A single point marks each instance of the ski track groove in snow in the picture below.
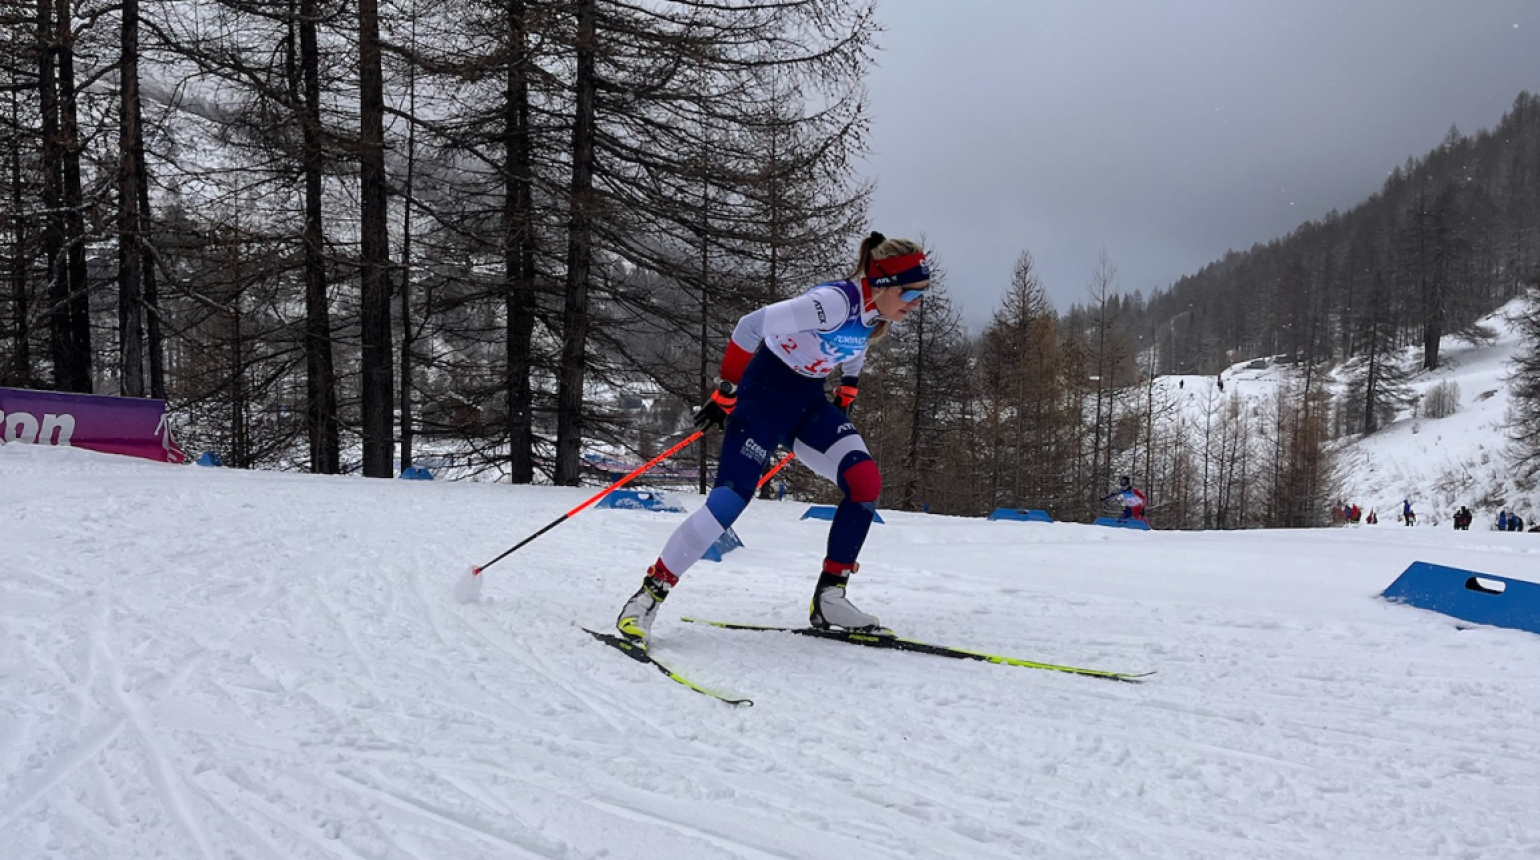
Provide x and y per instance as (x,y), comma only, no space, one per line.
(406,802)
(727,843)
(254,803)
(163,774)
(528,660)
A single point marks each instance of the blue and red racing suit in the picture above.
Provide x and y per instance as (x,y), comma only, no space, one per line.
(1134,501)
(780,356)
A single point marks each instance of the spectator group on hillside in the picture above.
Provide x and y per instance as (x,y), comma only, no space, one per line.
(1348,513)
(1462,518)
(1509,522)
(1342,513)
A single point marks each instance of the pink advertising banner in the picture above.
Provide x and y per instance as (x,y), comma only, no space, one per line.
(115,425)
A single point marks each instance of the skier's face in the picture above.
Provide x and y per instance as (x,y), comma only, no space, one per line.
(891,304)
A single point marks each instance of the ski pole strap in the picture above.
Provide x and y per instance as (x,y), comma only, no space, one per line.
(726,396)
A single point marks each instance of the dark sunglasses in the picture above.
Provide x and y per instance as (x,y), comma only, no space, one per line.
(911,295)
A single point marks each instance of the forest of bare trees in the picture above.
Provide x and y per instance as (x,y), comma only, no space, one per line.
(334,235)
(348,238)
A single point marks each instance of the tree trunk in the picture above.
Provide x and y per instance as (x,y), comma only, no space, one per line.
(703,354)
(374,283)
(909,497)
(79,301)
(1371,382)
(320,370)
(1432,335)
(130,256)
(240,407)
(519,252)
(70,372)
(20,373)
(150,293)
(569,397)
(408,336)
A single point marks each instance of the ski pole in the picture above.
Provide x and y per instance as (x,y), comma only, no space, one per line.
(778,467)
(476,571)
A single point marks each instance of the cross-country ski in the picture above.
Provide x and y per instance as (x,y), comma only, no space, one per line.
(899,643)
(639,654)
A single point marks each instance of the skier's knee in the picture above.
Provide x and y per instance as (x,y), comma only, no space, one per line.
(726,504)
(862,482)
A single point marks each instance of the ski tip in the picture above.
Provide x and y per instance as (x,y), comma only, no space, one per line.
(1126,677)
(638,652)
(690,619)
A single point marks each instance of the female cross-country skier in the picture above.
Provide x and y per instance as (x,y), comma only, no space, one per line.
(1132,498)
(771,394)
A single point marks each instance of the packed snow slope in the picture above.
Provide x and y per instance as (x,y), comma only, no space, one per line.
(205,663)
(1462,459)
(1438,464)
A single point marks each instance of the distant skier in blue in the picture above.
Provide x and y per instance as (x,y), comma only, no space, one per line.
(1407,515)
(772,394)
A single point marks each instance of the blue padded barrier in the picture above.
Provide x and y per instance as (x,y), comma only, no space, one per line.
(416,473)
(826,512)
(1120,523)
(1029,516)
(725,544)
(1480,598)
(640,500)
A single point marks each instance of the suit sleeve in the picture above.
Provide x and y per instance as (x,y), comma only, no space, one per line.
(820,309)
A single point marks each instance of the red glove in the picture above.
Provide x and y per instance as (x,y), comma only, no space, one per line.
(844,395)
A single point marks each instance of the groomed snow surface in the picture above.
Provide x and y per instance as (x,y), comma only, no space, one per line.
(205,663)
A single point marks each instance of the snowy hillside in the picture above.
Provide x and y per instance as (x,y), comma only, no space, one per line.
(1442,463)
(1436,463)
(203,663)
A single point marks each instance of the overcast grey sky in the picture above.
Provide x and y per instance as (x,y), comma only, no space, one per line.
(1166,131)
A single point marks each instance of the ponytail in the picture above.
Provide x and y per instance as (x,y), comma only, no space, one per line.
(864,258)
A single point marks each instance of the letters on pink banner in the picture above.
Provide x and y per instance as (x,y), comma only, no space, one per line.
(114,425)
